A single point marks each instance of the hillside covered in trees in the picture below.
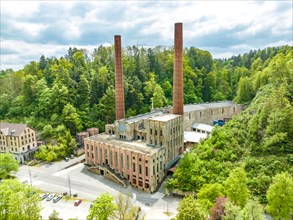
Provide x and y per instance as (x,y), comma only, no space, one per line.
(260,139)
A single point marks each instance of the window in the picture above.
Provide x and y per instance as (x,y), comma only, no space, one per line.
(234,109)
(111,157)
(189,116)
(106,154)
(146,171)
(199,114)
(139,169)
(222,110)
(160,165)
(121,158)
(161,133)
(155,142)
(154,171)
(157,167)
(211,112)
(127,161)
(133,167)
(156,132)
(101,154)
(151,131)
(116,158)
(161,144)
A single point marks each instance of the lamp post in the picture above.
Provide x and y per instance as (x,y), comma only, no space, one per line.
(30,174)
(69,185)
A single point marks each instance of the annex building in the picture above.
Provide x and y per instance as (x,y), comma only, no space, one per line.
(18,139)
(140,150)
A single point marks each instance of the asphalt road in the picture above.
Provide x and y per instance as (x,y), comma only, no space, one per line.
(54,178)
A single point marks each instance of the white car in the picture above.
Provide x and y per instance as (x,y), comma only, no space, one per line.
(43,196)
(56,199)
(50,197)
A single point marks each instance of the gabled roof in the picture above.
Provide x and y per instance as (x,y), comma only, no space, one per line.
(12,129)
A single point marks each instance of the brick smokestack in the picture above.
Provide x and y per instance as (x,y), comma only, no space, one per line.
(119,88)
(178,70)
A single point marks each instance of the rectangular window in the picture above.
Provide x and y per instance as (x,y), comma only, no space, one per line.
(140,169)
(111,159)
(199,114)
(151,131)
(121,158)
(161,133)
(160,165)
(101,155)
(106,154)
(116,158)
(154,171)
(146,171)
(222,111)
(127,161)
(133,167)
(156,132)
(211,112)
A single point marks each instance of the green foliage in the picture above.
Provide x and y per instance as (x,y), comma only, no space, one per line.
(103,208)
(54,215)
(19,201)
(280,197)
(236,187)
(190,208)
(259,139)
(232,212)
(125,208)
(8,164)
(210,192)
(252,210)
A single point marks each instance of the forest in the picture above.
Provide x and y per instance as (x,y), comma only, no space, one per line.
(62,96)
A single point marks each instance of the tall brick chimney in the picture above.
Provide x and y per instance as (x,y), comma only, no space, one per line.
(178,70)
(119,88)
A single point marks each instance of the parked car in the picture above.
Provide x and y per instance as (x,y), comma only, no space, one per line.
(77,202)
(56,199)
(43,196)
(72,156)
(75,195)
(66,159)
(65,194)
(50,197)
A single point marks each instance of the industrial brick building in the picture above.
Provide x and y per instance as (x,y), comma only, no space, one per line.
(18,139)
(140,150)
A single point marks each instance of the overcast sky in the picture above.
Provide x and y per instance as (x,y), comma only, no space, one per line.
(30,29)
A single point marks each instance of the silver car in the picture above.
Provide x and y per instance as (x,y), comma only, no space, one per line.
(56,199)
(50,197)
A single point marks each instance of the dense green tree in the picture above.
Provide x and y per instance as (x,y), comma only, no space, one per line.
(280,197)
(19,201)
(8,164)
(252,210)
(210,192)
(71,119)
(103,208)
(236,186)
(190,208)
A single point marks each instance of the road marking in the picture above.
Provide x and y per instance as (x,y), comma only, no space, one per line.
(62,172)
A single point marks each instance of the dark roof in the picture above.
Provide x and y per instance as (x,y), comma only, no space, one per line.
(12,129)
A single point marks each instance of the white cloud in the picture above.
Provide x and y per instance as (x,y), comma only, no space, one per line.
(33,28)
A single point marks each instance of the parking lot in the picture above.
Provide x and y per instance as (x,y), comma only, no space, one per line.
(66,208)
(54,178)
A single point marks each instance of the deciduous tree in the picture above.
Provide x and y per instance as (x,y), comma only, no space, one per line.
(280,197)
